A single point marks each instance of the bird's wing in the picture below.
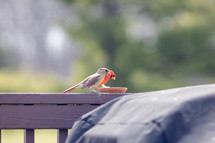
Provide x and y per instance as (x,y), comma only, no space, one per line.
(90,81)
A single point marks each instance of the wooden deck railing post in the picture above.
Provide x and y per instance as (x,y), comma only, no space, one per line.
(62,135)
(29,136)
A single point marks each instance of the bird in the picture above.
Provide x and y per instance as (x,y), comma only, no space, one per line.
(95,80)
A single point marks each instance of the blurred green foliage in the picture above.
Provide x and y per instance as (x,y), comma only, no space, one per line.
(25,81)
(181,52)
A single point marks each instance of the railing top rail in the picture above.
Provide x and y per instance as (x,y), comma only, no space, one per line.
(57,98)
(50,116)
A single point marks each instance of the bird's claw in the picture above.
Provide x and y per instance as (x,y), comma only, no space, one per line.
(92,90)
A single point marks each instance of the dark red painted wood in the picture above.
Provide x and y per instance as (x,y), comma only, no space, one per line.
(41,116)
(29,136)
(56,98)
(62,135)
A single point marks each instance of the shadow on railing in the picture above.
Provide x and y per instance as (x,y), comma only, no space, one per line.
(31,111)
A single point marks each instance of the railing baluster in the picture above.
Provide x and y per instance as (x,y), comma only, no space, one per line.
(62,135)
(29,136)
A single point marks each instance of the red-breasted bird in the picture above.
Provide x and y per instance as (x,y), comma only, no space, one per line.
(97,79)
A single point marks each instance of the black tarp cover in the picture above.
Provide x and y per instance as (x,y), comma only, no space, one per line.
(180,115)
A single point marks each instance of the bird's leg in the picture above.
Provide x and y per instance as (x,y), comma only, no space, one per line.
(92,89)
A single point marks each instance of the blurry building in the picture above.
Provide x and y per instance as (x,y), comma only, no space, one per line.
(33,36)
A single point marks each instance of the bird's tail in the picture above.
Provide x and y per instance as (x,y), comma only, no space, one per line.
(71,88)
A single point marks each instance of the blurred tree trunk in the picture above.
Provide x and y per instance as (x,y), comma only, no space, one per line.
(110,43)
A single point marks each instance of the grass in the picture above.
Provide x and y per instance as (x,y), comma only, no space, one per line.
(41,136)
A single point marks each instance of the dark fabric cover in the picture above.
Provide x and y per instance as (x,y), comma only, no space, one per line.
(181,115)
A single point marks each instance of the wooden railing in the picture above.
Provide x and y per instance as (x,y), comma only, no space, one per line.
(31,111)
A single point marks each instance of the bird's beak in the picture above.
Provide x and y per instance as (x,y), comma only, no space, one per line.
(112,75)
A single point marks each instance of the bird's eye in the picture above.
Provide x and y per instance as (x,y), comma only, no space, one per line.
(106,70)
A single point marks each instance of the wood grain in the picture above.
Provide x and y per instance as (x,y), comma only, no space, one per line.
(56,98)
(41,116)
(31,111)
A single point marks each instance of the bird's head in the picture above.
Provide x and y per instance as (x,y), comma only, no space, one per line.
(108,72)
(102,70)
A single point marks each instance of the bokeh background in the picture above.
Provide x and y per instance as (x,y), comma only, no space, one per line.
(50,45)
(47,46)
